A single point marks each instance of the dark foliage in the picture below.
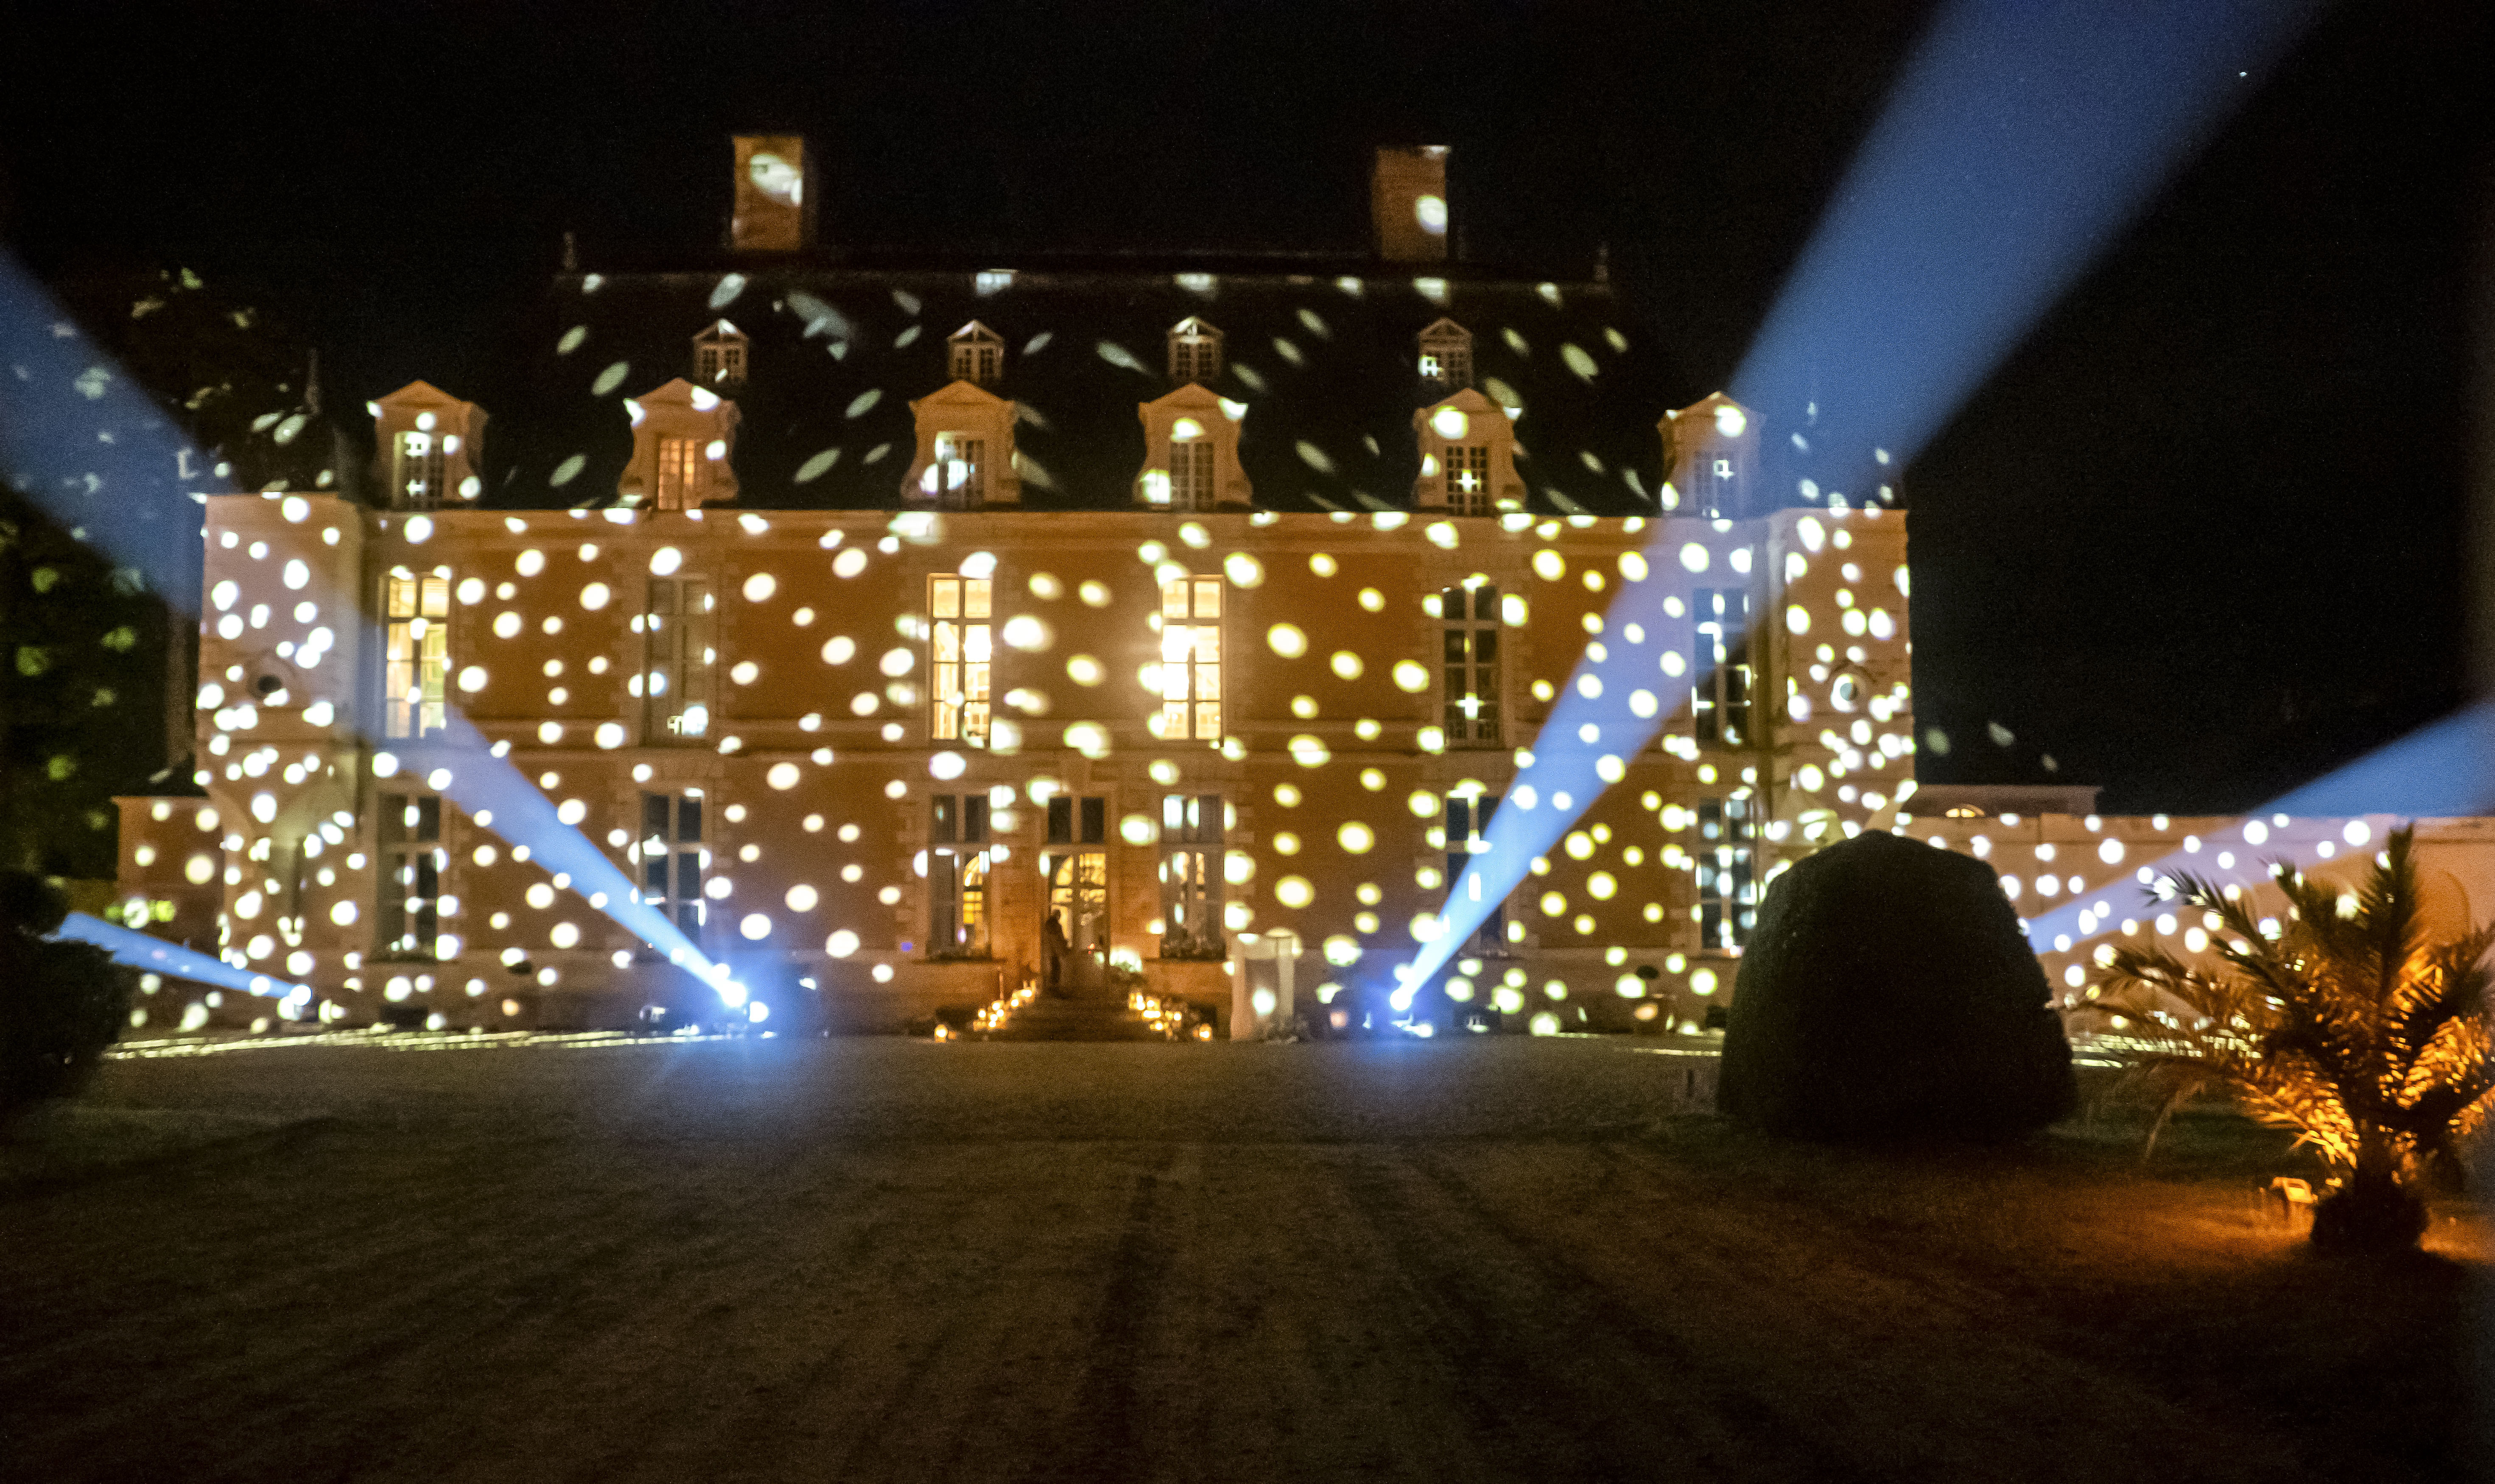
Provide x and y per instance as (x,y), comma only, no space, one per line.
(1889,992)
(61,1003)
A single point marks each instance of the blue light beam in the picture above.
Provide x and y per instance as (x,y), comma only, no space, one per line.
(80,439)
(2018,141)
(2021,140)
(141,950)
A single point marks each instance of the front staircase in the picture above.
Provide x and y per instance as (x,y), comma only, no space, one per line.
(1083,1016)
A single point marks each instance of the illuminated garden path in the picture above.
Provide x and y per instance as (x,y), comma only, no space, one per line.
(899,1260)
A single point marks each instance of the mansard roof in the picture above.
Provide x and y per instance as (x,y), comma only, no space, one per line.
(1326,364)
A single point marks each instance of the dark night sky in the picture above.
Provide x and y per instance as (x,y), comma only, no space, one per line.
(2200,538)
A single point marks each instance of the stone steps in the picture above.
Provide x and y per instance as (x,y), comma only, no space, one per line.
(1074,1018)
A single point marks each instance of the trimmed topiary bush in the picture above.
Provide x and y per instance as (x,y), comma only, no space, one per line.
(1889,992)
(61,1003)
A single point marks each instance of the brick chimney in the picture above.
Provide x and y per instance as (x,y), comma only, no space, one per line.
(1407,203)
(774,209)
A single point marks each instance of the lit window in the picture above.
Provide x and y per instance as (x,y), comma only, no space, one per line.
(683,658)
(958,478)
(1468,836)
(1191,876)
(673,857)
(679,473)
(1468,470)
(1447,354)
(720,356)
(1191,658)
(959,658)
(410,862)
(1194,350)
(1720,655)
(415,654)
(976,355)
(1469,620)
(957,876)
(1727,877)
(1076,869)
(419,470)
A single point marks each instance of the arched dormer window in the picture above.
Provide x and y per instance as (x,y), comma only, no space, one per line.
(1468,458)
(684,438)
(1194,350)
(1709,452)
(976,355)
(1447,354)
(965,451)
(719,355)
(1191,453)
(427,440)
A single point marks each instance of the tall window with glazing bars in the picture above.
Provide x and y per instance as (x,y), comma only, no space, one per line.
(682,653)
(957,875)
(1719,704)
(1468,478)
(1727,872)
(673,857)
(407,914)
(1192,660)
(421,466)
(416,653)
(1467,824)
(1191,876)
(1469,620)
(959,650)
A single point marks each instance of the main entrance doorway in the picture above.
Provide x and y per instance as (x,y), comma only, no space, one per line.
(1078,895)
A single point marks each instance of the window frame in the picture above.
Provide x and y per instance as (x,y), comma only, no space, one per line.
(956,447)
(1192,877)
(1723,688)
(667,637)
(966,712)
(1191,640)
(408,861)
(961,868)
(677,487)
(415,654)
(1472,645)
(1456,462)
(675,829)
(1727,828)
(423,465)
(1465,825)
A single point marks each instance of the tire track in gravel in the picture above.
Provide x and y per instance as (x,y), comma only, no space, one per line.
(1906,1364)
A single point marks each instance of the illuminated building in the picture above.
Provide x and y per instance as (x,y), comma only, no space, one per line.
(898,607)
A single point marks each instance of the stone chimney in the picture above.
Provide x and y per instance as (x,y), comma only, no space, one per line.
(1407,203)
(774,209)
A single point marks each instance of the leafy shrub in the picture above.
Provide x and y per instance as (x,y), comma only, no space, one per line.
(1888,991)
(61,1003)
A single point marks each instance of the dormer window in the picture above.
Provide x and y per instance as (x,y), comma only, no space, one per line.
(1194,350)
(684,438)
(977,355)
(1447,354)
(720,356)
(425,447)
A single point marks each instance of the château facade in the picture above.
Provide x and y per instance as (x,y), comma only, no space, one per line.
(866,616)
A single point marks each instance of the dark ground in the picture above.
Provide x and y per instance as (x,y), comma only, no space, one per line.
(886,1259)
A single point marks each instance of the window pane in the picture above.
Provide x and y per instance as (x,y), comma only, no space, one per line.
(1208,597)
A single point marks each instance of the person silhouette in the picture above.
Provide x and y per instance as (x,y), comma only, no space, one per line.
(1052,954)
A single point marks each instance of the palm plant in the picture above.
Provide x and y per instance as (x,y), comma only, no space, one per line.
(2348,1023)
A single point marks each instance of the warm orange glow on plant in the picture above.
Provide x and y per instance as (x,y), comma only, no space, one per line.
(2351,1026)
